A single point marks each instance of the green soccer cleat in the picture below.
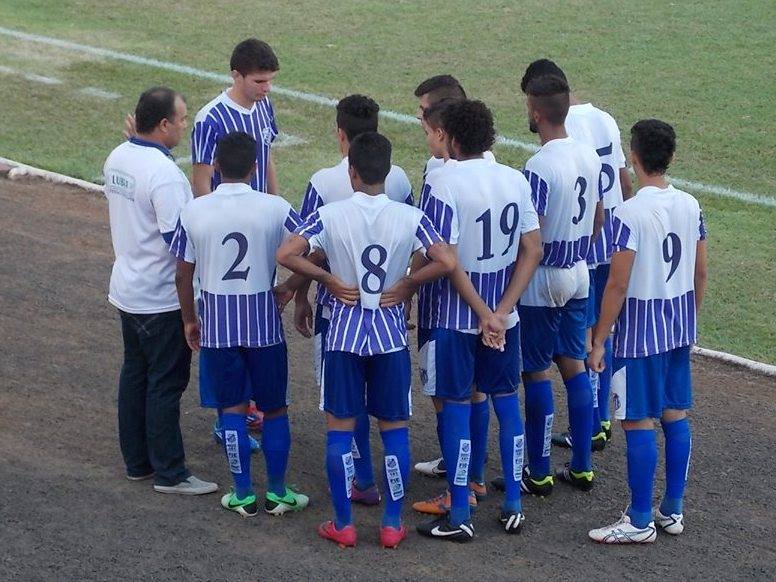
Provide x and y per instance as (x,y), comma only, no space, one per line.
(245,507)
(291,501)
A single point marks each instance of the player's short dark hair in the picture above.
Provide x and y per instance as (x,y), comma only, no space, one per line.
(654,141)
(470,124)
(540,68)
(357,114)
(155,104)
(253,55)
(440,87)
(550,94)
(433,114)
(236,155)
(370,156)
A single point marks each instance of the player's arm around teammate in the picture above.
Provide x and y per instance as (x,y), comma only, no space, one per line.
(655,290)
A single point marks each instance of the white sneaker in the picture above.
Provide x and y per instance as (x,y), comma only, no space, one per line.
(191,486)
(431,468)
(624,532)
(672,524)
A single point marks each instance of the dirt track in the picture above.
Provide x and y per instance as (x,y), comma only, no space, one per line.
(67,513)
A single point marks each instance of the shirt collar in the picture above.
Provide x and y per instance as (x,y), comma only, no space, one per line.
(149,144)
(363,198)
(231,188)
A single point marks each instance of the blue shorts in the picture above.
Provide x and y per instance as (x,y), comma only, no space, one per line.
(553,331)
(645,387)
(231,376)
(378,385)
(452,362)
(592,313)
(598,277)
(320,329)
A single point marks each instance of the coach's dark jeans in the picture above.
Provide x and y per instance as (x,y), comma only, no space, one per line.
(154,375)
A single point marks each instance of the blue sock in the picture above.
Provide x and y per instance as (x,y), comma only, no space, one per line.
(605,382)
(478,425)
(642,460)
(238,452)
(678,449)
(580,401)
(511,440)
(457,452)
(362,453)
(339,468)
(594,381)
(539,412)
(276,443)
(396,445)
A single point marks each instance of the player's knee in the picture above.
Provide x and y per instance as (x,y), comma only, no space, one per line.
(478,397)
(644,424)
(540,376)
(672,415)
(241,408)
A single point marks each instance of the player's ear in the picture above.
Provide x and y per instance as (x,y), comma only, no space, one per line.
(235,76)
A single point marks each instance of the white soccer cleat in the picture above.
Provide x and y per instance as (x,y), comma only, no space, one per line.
(624,532)
(672,524)
(432,468)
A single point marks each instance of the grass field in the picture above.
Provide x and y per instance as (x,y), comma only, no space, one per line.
(705,67)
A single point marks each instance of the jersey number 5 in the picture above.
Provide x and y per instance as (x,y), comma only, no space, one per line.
(508,223)
(373,268)
(242,249)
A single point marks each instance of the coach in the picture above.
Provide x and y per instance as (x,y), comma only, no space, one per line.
(146,192)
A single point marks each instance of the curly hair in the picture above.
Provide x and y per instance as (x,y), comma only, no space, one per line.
(357,114)
(654,141)
(470,124)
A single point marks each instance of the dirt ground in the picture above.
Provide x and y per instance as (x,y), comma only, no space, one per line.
(67,513)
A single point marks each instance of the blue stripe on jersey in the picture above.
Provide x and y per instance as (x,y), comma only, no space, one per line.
(311,201)
(410,199)
(440,214)
(538,191)
(620,235)
(564,254)
(601,250)
(179,240)
(426,233)
(222,120)
(366,332)
(439,304)
(293,221)
(652,326)
(311,226)
(250,321)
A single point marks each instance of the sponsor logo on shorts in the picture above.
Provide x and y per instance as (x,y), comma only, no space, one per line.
(393,476)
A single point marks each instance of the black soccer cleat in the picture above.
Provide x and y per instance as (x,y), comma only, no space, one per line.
(563,439)
(511,521)
(442,529)
(582,480)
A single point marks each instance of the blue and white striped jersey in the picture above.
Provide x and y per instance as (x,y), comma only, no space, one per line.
(333,184)
(599,130)
(483,207)
(368,241)
(223,116)
(565,184)
(663,228)
(232,236)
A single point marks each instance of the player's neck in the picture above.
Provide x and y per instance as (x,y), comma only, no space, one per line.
(464,158)
(654,180)
(372,189)
(154,137)
(573,100)
(551,132)
(235,96)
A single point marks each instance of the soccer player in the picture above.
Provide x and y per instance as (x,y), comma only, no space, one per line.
(356,114)
(232,236)
(485,210)
(431,92)
(245,106)
(655,290)
(368,240)
(596,128)
(564,176)
(146,192)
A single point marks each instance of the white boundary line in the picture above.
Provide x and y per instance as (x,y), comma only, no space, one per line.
(721,191)
(22,170)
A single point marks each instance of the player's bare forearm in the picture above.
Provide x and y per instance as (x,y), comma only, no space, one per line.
(614,295)
(529,255)
(626,184)
(291,255)
(701,274)
(184,283)
(417,261)
(598,220)
(272,176)
(201,175)
(442,263)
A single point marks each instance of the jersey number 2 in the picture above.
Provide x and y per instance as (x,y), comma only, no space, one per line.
(242,249)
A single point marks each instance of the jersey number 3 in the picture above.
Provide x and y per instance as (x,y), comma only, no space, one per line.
(242,250)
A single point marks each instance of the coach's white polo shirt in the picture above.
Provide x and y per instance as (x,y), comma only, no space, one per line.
(146,192)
